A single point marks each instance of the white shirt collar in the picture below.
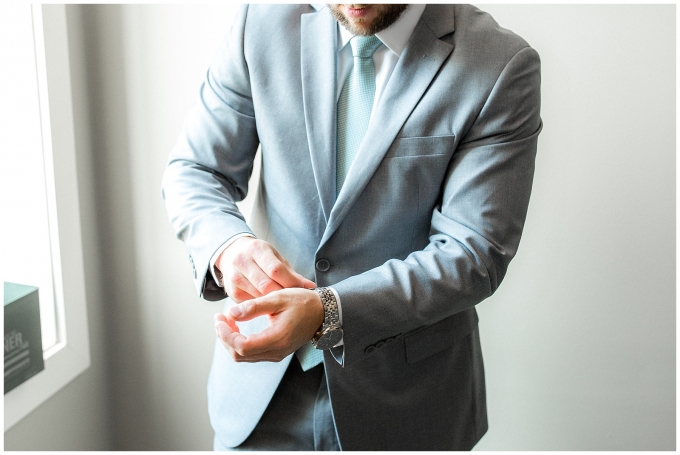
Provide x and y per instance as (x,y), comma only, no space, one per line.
(396,35)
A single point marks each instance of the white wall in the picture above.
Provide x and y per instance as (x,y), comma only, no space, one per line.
(579,341)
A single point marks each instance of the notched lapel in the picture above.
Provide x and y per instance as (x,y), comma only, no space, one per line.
(318,45)
(415,70)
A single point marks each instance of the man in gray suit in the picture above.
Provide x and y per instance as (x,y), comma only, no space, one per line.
(396,175)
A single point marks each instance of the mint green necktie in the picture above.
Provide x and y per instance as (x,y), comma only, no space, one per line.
(354,111)
(355,104)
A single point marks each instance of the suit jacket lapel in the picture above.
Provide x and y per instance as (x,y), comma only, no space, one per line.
(318,71)
(417,66)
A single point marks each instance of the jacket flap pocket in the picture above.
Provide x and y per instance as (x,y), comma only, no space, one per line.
(429,340)
(421,146)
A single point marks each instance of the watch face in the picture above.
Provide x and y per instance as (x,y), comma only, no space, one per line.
(330,338)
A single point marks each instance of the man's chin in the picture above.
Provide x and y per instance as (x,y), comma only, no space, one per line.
(362,29)
(386,16)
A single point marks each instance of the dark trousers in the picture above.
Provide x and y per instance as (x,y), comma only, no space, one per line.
(299,416)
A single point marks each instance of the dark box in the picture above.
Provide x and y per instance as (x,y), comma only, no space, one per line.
(23,341)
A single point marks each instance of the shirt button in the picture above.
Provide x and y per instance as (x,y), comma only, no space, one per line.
(322,265)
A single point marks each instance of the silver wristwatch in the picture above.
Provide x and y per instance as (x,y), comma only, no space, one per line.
(330,332)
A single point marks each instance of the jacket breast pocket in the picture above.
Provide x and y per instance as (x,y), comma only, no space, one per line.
(421,146)
(429,340)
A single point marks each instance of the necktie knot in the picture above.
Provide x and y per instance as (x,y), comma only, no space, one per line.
(364,46)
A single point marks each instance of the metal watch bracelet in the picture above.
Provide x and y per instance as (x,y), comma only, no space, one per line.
(330,308)
(330,333)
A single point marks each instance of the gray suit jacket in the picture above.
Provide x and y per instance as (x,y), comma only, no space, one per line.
(423,229)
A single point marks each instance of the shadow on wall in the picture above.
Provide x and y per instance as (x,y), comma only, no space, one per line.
(106,81)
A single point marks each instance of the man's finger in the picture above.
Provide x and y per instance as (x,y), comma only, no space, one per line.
(256,272)
(262,346)
(240,288)
(267,344)
(252,268)
(230,338)
(279,270)
(242,276)
(220,317)
(251,309)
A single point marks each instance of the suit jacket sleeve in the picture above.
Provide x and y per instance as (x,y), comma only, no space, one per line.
(209,168)
(475,231)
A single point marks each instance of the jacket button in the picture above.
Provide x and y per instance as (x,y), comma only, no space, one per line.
(322,265)
(380,344)
(369,349)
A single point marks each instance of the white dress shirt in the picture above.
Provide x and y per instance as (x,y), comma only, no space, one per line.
(385,58)
(394,39)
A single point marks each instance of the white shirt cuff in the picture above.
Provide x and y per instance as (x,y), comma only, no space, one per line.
(219,251)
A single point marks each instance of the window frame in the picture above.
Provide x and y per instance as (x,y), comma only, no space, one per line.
(70,356)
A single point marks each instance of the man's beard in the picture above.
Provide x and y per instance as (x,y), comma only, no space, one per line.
(386,16)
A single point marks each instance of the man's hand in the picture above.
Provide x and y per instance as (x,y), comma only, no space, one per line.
(294,316)
(252,268)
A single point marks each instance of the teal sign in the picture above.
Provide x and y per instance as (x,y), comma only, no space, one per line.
(23,341)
